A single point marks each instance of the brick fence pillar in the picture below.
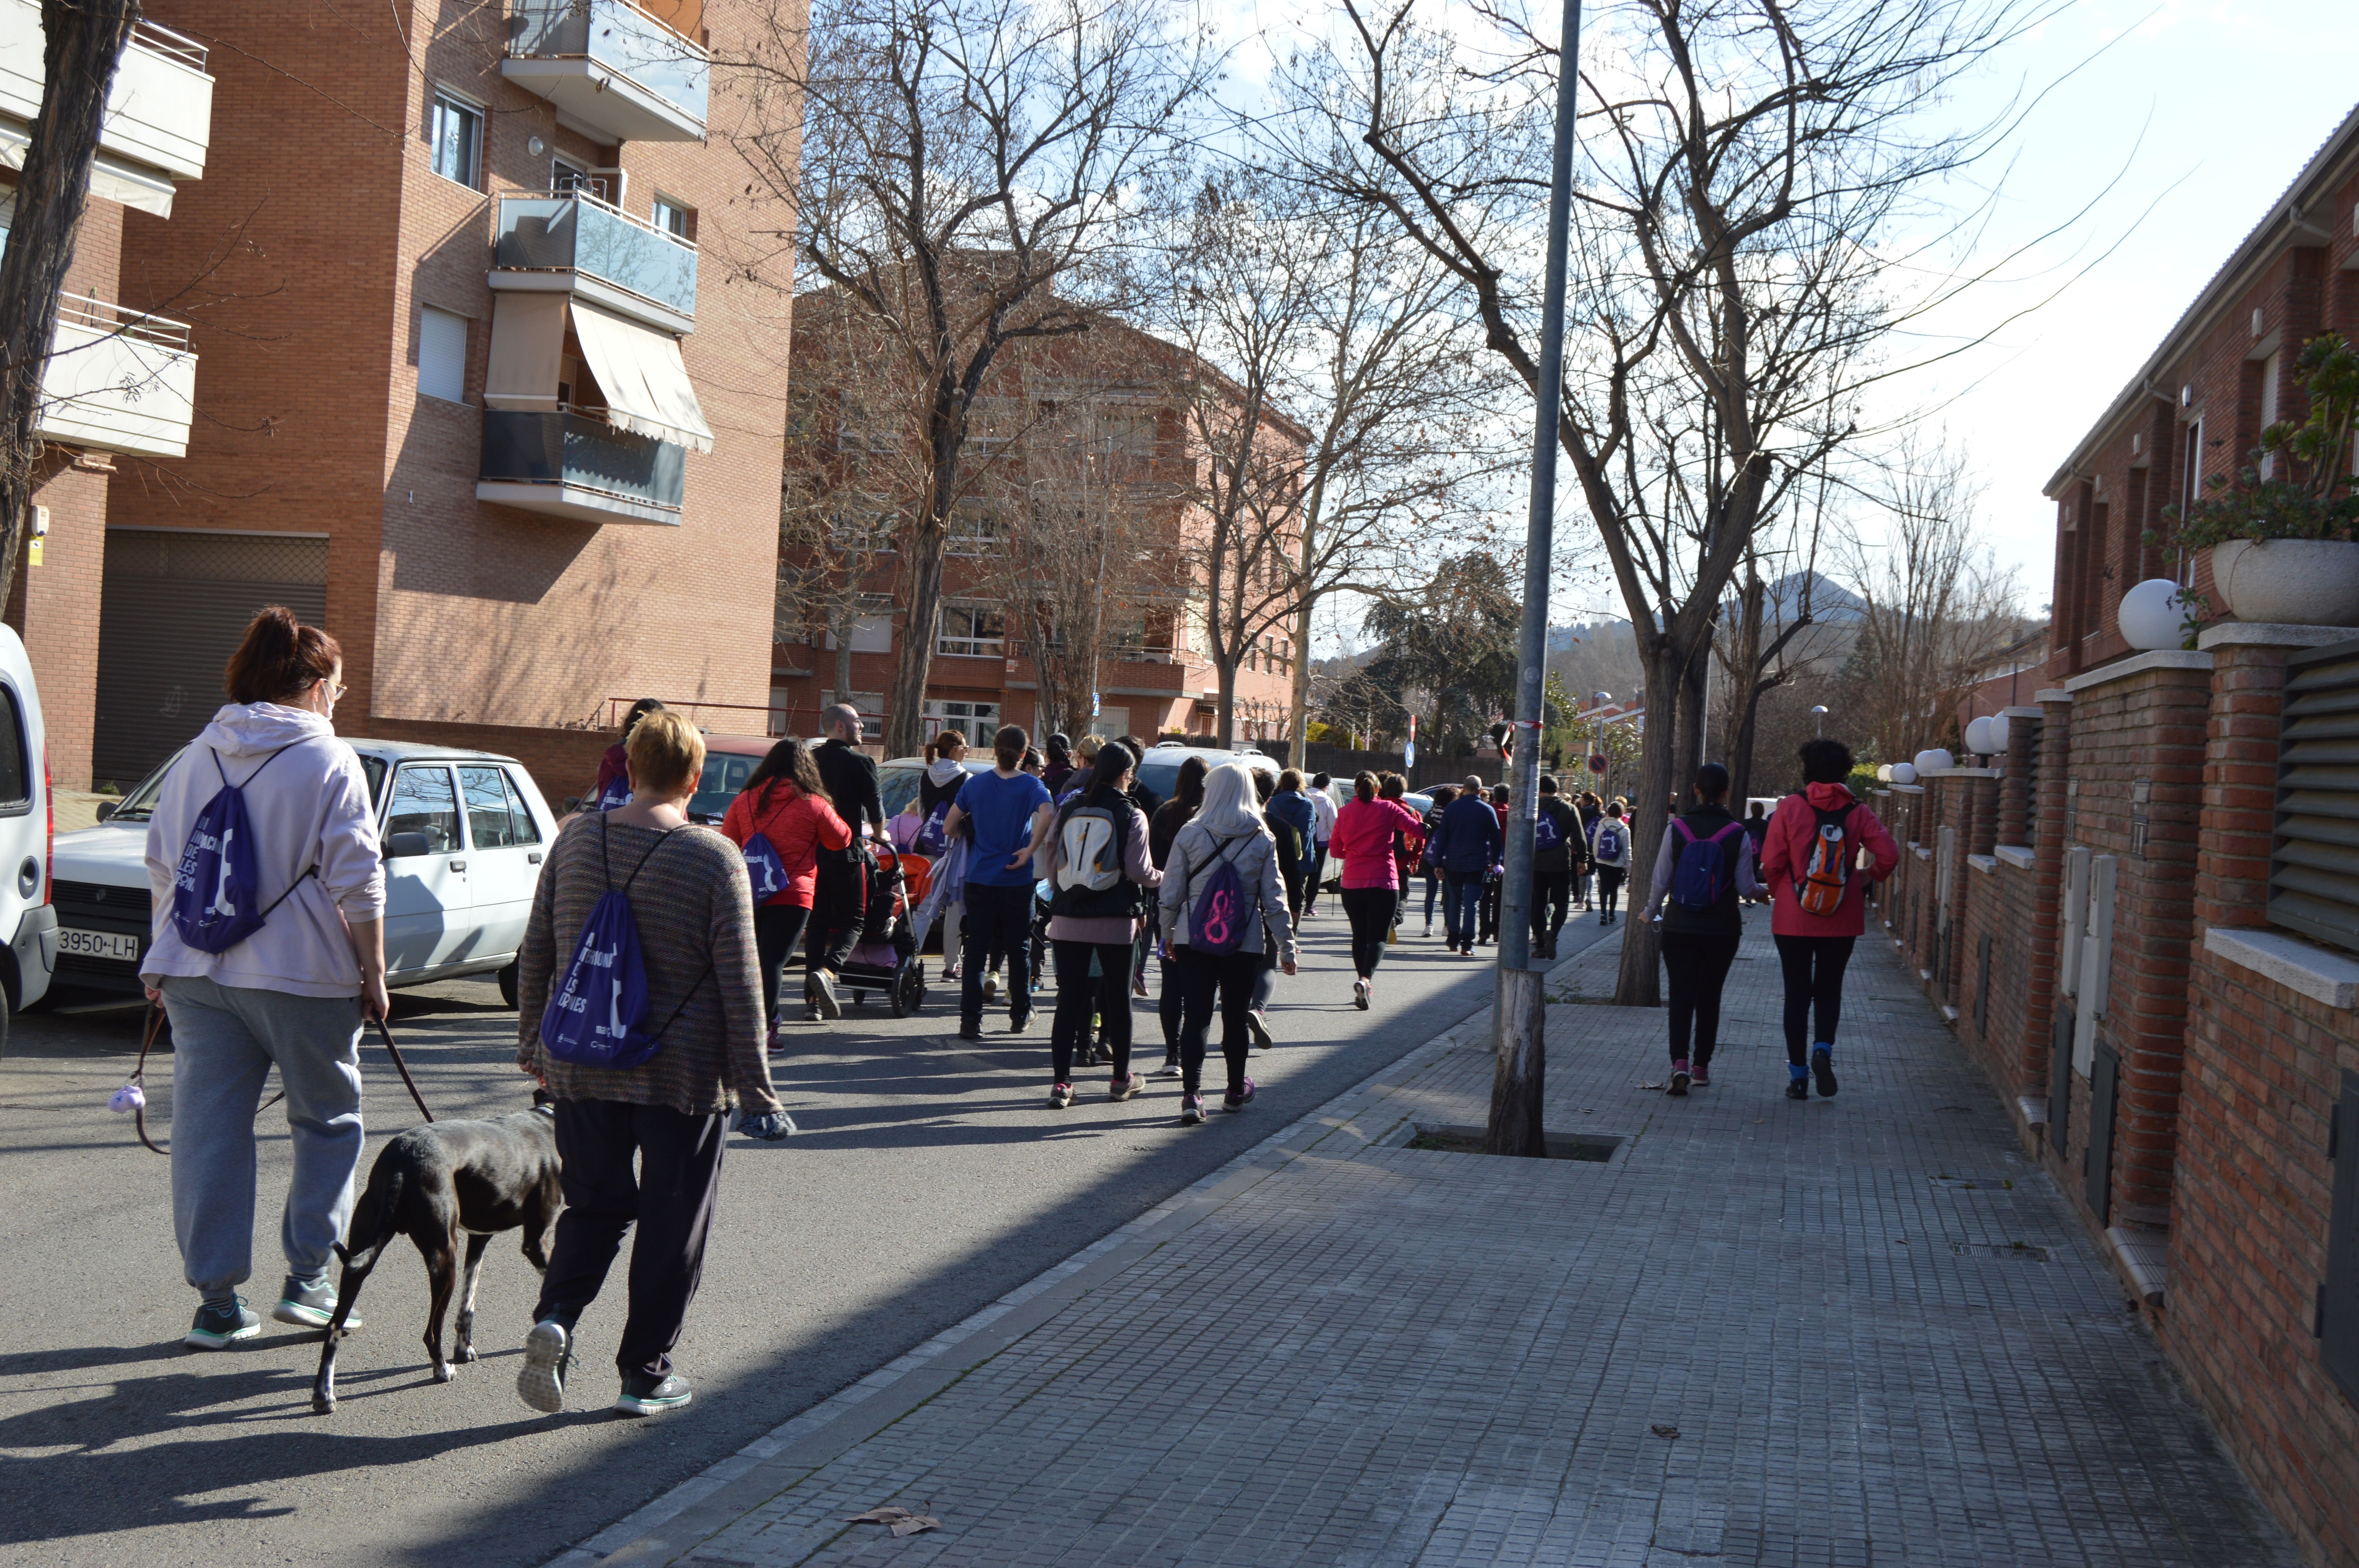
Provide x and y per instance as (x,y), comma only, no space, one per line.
(2047,808)
(2016,803)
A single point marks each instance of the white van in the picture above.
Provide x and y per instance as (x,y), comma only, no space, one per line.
(28,824)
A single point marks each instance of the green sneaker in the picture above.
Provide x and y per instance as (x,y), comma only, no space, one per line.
(218,1324)
(643,1395)
(310,1307)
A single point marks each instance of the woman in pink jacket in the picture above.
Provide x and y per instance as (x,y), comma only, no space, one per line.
(1810,858)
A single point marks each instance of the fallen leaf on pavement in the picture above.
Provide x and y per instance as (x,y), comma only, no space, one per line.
(1659,1430)
(1646,1085)
(914,1524)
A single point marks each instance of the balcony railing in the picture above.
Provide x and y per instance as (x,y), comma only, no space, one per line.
(571,465)
(582,234)
(118,381)
(611,66)
(159,108)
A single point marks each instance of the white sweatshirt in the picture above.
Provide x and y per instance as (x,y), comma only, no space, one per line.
(310,807)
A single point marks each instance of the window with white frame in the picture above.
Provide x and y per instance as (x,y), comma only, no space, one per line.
(673,218)
(870,627)
(454,138)
(976,720)
(442,355)
(971,631)
(976,531)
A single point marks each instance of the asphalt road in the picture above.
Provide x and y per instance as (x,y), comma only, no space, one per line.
(929,1178)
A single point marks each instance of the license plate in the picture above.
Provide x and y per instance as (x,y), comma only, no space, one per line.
(99,945)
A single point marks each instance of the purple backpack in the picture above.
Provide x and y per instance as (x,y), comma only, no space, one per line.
(597,1015)
(216,888)
(1700,877)
(1217,924)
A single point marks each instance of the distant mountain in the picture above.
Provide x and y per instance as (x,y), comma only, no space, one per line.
(1830,602)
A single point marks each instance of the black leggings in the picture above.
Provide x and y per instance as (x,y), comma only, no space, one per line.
(1227,980)
(1079,993)
(1609,886)
(1370,911)
(1697,962)
(776,928)
(1814,974)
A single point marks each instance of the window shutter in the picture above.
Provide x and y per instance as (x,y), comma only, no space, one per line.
(442,355)
(2314,864)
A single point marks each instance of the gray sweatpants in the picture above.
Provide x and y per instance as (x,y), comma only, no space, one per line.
(225,1040)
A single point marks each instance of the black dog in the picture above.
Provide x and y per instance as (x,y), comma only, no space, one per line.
(434,1184)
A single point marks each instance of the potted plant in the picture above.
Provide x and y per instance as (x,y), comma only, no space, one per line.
(2285,548)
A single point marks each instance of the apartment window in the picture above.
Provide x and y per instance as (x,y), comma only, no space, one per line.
(864,525)
(454,138)
(971,631)
(674,219)
(442,355)
(974,532)
(2269,368)
(976,720)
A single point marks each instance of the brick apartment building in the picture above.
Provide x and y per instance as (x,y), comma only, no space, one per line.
(1155,676)
(117,390)
(489,358)
(2142,917)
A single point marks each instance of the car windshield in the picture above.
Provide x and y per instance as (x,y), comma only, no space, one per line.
(724,776)
(140,803)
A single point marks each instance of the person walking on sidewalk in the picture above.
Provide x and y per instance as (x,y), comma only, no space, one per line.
(1292,805)
(786,805)
(1555,832)
(1011,813)
(1187,799)
(938,791)
(291,994)
(1097,863)
(1704,866)
(693,907)
(1465,847)
(1494,879)
(1810,857)
(1585,876)
(613,785)
(1609,847)
(839,904)
(1322,833)
(1220,902)
(1365,833)
(1442,795)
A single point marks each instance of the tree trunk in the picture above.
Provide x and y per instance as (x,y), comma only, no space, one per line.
(1298,708)
(81,41)
(1638,983)
(905,729)
(1225,719)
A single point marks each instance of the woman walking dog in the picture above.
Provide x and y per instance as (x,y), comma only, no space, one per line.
(268,951)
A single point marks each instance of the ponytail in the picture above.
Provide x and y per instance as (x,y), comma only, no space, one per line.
(279,658)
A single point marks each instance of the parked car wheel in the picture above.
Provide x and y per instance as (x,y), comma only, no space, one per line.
(508,983)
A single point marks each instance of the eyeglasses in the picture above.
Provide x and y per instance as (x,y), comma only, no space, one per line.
(336,693)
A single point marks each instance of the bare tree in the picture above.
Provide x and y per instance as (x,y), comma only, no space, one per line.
(959,168)
(1775,635)
(82,40)
(1731,281)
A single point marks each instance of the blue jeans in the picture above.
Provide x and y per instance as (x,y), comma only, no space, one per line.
(1462,903)
(998,923)
(225,1039)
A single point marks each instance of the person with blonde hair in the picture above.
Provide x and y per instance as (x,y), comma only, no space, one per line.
(691,905)
(1220,902)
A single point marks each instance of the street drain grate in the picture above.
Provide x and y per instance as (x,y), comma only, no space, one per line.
(2022,1250)
(1595,1147)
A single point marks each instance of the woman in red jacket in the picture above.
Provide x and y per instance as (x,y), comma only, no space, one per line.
(785,803)
(1364,837)
(1810,858)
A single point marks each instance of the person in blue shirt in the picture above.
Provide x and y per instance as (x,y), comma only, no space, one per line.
(1464,846)
(1009,812)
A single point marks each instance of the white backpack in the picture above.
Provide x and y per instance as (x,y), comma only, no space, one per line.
(1089,850)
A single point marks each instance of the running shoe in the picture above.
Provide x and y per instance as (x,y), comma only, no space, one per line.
(1822,1067)
(822,986)
(1191,1110)
(1129,1087)
(1259,1027)
(990,985)
(1699,1074)
(218,1325)
(643,1395)
(310,1307)
(1360,994)
(1678,1088)
(548,1352)
(1061,1095)
(1170,1069)
(1428,930)
(1797,1089)
(1239,1099)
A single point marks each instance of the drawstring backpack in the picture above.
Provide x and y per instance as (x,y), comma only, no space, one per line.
(764,867)
(216,890)
(597,1016)
(616,793)
(1217,924)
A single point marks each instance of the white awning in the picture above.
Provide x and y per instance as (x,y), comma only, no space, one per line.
(111,178)
(643,377)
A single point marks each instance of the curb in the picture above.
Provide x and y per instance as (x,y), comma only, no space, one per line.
(700,1507)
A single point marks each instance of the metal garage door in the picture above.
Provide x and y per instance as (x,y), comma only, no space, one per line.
(174,605)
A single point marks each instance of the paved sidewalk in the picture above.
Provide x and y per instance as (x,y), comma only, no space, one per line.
(1857,1331)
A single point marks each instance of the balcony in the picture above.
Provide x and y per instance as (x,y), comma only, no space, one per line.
(578,244)
(159,110)
(117,381)
(569,465)
(615,71)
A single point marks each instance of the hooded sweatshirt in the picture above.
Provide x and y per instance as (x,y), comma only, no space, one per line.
(1785,850)
(311,808)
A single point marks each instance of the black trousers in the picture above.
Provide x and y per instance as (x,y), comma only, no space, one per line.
(997,923)
(776,928)
(1814,976)
(1168,1004)
(671,1199)
(837,913)
(1609,886)
(1490,916)
(1551,898)
(1230,978)
(1697,965)
(1080,993)
(1370,911)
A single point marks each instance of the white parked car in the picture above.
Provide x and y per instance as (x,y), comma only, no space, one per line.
(464,834)
(29,923)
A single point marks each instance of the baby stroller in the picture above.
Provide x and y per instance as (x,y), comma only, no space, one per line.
(885,957)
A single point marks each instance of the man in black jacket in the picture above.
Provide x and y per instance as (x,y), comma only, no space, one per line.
(1555,833)
(839,905)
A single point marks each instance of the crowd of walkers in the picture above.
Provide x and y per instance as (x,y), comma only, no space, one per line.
(651,975)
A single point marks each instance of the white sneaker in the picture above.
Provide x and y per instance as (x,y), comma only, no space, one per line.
(1360,990)
(823,993)
(989,987)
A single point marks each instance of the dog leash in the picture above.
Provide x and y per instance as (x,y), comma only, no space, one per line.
(133,1096)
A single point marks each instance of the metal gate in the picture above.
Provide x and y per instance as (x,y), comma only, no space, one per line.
(173,607)
(2097,1164)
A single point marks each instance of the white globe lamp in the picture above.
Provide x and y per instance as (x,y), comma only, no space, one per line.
(2153,615)
(1987,736)
(1933,759)
(1883,773)
(1904,773)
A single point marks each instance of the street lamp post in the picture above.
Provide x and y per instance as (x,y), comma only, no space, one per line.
(1819,715)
